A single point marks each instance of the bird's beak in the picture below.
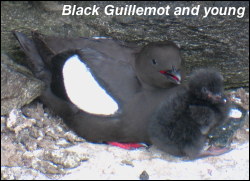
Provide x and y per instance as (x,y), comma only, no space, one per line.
(217,98)
(173,75)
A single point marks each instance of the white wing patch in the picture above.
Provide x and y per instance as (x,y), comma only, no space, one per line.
(84,91)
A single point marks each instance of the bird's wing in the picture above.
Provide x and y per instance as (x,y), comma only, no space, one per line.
(111,61)
(118,77)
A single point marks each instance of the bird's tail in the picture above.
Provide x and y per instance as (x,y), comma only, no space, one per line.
(35,61)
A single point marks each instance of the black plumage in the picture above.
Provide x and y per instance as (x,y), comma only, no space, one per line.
(181,125)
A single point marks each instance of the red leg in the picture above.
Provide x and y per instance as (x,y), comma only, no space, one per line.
(127,146)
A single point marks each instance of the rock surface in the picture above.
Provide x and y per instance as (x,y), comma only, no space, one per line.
(18,86)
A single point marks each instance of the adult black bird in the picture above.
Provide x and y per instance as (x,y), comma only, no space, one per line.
(132,79)
(181,125)
(133,89)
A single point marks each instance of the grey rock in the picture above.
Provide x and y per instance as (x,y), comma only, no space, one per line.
(17,122)
(17,173)
(29,111)
(65,158)
(127,162)
(144,175)
(18,87)
(47,167)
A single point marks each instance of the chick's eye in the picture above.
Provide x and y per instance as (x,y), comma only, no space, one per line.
(154,61)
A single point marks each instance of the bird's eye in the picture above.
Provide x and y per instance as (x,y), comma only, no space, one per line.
(154,61)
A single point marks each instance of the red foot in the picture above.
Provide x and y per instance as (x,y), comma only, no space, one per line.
(127,146)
